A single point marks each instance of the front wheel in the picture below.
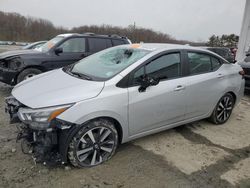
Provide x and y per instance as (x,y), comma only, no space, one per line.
(28,73)
(93,144)
(223,109)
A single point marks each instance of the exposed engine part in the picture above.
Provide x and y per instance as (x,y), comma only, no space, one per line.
(40,144)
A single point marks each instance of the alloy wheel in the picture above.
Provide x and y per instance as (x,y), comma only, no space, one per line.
(224,108)
(95,146)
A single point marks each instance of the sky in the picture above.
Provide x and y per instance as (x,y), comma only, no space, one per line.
(194,20)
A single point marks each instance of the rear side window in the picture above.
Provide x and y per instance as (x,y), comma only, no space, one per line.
(117,42)
(98,44)
(215,63)
(202,63)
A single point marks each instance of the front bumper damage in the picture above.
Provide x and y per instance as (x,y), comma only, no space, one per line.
(8,76)
(47,146)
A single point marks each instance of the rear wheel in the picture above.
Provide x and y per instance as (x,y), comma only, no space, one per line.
(223,109)
(28,73)
(93,144)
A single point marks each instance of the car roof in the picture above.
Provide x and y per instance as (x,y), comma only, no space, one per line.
(114,36)
(165,46)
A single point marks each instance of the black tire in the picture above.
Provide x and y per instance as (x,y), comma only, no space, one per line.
(29,72)
(223,109)
(84,152)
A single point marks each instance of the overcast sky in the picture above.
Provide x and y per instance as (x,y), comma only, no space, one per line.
(183,19)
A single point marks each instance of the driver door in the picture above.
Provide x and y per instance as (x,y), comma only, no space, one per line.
(73,49)
(160,105)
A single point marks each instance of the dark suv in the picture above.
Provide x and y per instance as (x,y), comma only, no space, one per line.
(64,49)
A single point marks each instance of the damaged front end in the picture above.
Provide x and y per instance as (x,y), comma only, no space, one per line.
(40,133)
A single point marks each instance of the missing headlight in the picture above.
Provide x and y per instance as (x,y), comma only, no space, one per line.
(3,64)
(14,63)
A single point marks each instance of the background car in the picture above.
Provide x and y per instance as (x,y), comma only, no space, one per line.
(246,67)
(34,45)
(63,50)
(82,112)
(223,52)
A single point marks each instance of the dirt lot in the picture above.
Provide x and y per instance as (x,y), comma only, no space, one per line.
(195,155)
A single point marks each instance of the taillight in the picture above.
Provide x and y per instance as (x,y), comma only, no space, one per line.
(242,73)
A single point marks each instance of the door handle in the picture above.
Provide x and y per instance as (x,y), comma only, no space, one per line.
(179,88)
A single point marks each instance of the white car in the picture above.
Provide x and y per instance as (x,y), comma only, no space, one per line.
(82,112)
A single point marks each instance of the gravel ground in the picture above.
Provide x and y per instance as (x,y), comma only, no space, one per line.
(194,155)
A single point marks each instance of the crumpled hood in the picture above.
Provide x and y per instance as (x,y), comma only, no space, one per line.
(55,88)
(17,53)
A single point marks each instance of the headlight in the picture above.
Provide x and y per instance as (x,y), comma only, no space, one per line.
(40,117)
(14,63)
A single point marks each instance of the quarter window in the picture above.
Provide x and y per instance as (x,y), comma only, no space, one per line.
(165,67)
(201,63)
(74,45)
(98,44)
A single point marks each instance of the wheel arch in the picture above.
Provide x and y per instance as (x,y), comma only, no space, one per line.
(69,134)
(234,95)
(41,68)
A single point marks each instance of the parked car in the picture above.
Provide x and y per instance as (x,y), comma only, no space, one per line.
(34,45)
(82,112)
(3,43)
(246,67)
(223,52)
(63,50)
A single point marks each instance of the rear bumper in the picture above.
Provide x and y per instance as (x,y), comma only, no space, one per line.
(8,76)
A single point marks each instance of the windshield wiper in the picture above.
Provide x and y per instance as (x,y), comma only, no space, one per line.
(80,75)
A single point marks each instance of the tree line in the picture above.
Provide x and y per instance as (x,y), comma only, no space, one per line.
(15,27)
(224,41)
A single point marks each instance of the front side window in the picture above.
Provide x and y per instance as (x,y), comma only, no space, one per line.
(165,67)
(98,44)
(51,43)
(202,63)
(73,45)
(107,63)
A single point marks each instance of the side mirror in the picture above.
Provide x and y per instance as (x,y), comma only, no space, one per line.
(58,51)
(148,81)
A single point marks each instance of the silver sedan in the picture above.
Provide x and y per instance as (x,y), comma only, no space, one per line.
(81,113)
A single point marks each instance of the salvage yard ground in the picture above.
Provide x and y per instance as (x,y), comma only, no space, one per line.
(194,155)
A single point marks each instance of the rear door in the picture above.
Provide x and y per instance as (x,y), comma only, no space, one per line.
(205,83)
(97,44)
(117,42)
(162,104)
